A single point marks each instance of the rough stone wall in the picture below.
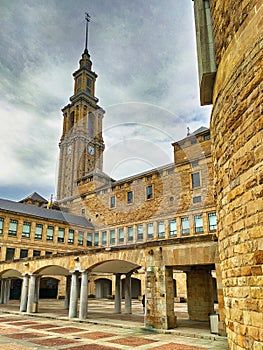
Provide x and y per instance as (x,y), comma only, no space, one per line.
(236,128)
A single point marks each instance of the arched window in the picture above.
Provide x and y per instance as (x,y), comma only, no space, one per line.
(71,120)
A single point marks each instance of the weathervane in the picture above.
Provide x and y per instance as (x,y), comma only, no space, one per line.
(87,18)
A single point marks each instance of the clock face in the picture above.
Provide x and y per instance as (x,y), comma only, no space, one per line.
(69,150)
(91,150)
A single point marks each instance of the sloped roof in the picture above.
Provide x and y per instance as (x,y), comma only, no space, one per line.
(199,131)
(35,197)
(43,213)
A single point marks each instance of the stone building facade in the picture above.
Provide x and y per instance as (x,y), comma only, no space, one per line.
(236,129)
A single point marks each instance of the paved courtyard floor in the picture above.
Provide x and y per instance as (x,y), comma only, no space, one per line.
(103,330)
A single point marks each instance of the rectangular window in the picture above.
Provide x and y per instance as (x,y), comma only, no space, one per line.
(198,223)
(39,231)
(12,231)
(196,180)
(149,192)
(173,228)
(150,231)
(23,253)
(1,225)
(112,201)
(185,226)
(89,239)
(48,253)
(161,229)
(130,234)
(36,252)
(129,197)
(104,238)
(140,232)
(70,236)
(61,235)
(10,254)
(80,238)
(207,137)
(26,229)
(121,235)
(112,236)
(50,233)
(197,199)
(96,239)
(212,221)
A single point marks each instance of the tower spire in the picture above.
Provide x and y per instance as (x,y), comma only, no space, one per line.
(87,18)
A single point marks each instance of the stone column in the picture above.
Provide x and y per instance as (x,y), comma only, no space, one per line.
(127,294)
(67,292)
(36,296)
(73,302)
(6,291)
(83,307)
(117,306)
(159,292)
(200,298)
(31,294)
(24,294)
(220,297)
(2,292)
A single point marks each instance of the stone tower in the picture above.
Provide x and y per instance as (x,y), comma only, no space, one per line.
(231,79)
(81,144)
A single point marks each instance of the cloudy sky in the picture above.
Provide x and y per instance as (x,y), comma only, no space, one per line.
(144,54)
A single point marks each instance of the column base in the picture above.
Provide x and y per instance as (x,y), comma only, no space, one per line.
(168,322)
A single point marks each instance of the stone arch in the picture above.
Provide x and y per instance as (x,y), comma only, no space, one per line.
(10,273)
(52,270)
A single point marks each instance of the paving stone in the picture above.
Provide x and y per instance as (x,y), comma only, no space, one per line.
(175,346)
(132,341)
(97,335)
(24,335)
(68,330)
(93,347)
(54,342)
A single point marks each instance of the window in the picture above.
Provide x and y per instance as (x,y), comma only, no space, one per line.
(112,236)
(173,229)
(23,253)
(185,226)
(89,239)
(112,201)
(206,137)
(79,82)
(70,236)
(104,238)
(198,223)
(26,229)
(39,231)
(1,225)
(50,233)
(61,235)
(10,254)
(197,199)
(149,192)
(130,234)
(48,253)
(83,211)
(212,221)
(36,252)
(80,238)
(89,84)
(96,239)
(12,231)
(150,231)
(170,171)
(129,197)
(161,229)
(196,180)
(121,235)
(139,232)
(193,141)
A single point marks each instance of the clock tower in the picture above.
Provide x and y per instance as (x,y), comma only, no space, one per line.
(81,144)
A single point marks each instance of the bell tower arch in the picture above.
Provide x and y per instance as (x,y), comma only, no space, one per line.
(81,144)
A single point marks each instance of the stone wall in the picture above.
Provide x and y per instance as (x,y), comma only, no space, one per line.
(236,128)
